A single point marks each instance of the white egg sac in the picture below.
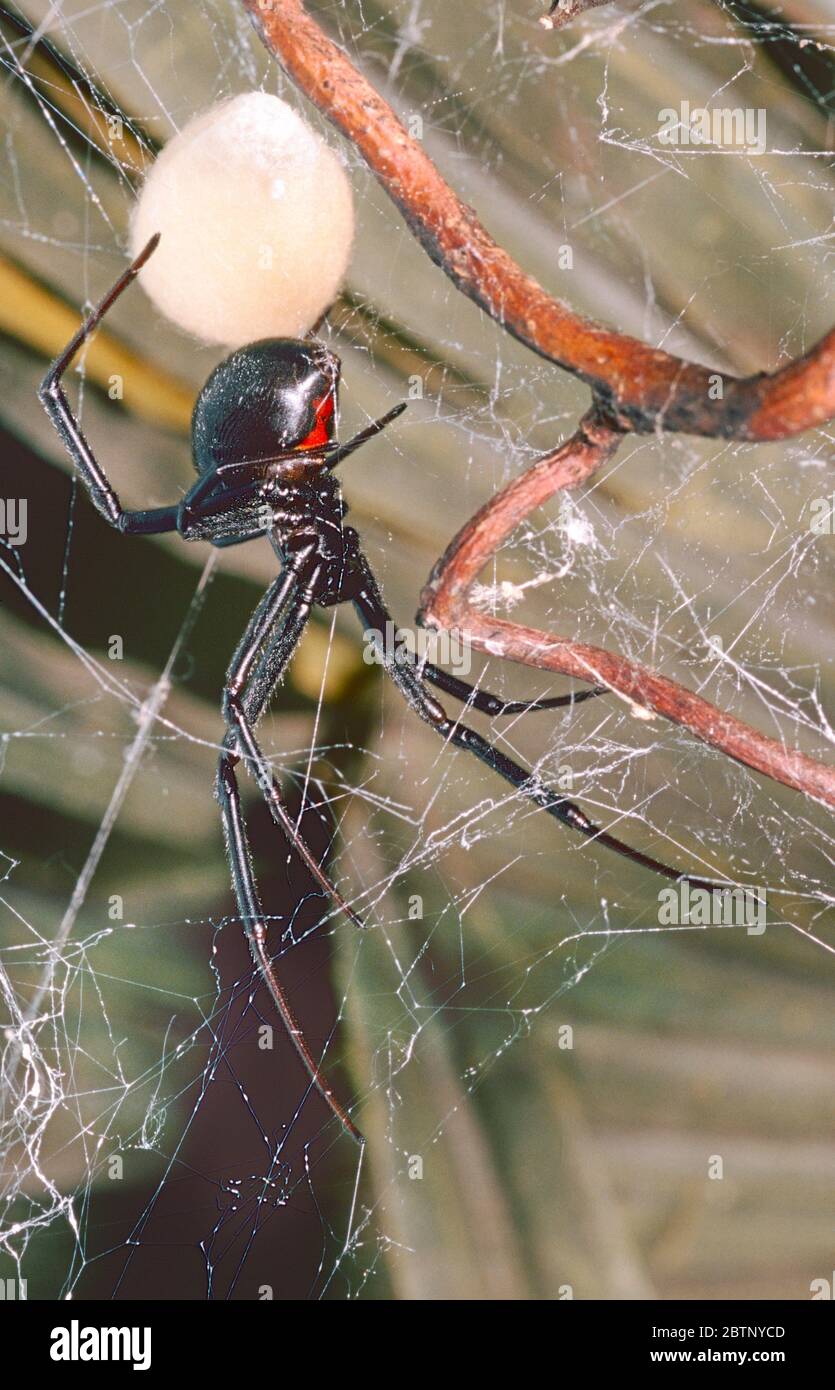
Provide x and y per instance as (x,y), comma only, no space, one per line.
(256,220)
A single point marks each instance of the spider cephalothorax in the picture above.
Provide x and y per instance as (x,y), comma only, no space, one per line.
(264,441)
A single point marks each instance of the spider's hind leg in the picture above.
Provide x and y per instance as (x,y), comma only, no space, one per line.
(482,700)
(255,925)
(374,616)
(250,683)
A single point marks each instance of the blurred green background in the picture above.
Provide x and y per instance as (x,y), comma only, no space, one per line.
(546,1169)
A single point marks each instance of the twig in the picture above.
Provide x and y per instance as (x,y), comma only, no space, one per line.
(562,12)
(634,387)
(642,387)
(446,603)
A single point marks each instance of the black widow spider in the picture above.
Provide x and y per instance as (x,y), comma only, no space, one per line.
(264,445)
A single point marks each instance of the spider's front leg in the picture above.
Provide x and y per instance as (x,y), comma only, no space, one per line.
(271,637)
(53,398)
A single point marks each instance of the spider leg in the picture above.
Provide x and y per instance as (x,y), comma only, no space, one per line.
(256,929)
(143,523)
(492,704)
(248,690)
(339,452)
(403,672)
(228,541)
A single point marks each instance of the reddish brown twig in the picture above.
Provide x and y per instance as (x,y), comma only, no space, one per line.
(634,387)
(642,387)
(446,603)
(563,11)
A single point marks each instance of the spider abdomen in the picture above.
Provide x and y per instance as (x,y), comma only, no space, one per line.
(265,401)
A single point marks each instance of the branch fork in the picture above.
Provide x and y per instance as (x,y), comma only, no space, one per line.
(634,387)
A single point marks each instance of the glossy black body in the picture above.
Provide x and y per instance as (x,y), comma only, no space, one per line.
(265,400)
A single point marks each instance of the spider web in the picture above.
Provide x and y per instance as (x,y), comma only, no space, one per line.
(543,1068)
